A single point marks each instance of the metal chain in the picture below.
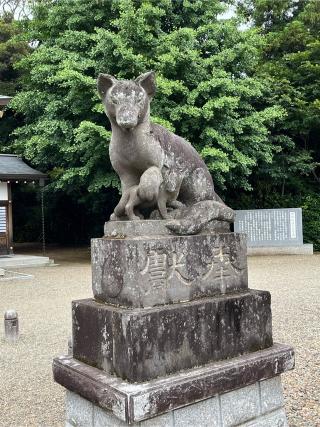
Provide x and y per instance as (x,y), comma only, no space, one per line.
(43,222)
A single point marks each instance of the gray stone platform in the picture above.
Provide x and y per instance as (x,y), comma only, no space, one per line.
(257,405)
(141,344)
(133,403)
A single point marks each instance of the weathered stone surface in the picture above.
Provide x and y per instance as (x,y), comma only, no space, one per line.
(102,418)
(240,405)
(157,168)
(154,227)
(11,326)
(164,420)
(79,412)
(149,271)
(205,413)
(271,394)
(136,402)
(274,419)
(140,344)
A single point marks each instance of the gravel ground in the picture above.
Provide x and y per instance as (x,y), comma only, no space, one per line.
(29,397)
(294,283)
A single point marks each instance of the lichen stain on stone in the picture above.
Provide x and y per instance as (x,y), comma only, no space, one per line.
(194,268)
(142,406)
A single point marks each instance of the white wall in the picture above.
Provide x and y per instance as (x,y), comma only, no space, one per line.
(3,191)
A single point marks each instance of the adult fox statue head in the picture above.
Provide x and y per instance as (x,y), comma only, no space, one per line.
(127,102)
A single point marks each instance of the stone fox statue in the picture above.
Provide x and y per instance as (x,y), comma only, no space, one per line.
(179,177)
(150,191)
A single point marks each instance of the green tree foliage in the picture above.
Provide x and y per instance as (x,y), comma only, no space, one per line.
(12,48)
(207,89)
(248,100)
(290,63)
(270,15)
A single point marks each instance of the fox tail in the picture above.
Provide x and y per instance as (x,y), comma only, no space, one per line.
(195,218)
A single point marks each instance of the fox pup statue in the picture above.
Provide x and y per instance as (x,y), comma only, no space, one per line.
(156,167)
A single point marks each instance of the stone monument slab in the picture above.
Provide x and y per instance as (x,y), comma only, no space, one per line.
(270,227)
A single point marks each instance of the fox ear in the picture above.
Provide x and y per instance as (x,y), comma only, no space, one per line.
(148,82)
(105,81)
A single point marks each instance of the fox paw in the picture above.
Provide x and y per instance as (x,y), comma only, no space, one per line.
(114,217)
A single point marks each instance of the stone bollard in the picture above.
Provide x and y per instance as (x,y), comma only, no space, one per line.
(11,326)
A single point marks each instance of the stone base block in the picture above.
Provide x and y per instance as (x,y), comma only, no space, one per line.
(306,249)
(152,270)
(241,391)
(155,227)
(257,405)
(142,344)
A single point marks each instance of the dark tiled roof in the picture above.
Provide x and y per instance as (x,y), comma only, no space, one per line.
(13,167)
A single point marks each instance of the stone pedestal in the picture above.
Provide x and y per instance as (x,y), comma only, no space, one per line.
(142,344)
(172,335)
(155,269)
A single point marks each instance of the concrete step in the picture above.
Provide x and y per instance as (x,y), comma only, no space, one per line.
(24,261)
(305,249)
